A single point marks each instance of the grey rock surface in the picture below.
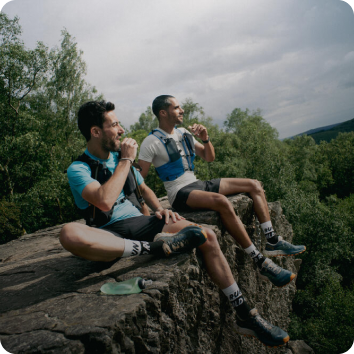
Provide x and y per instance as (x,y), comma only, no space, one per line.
(300,347)
(51,300)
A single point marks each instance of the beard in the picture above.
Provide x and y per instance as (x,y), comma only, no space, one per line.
(176,120)
(109,144)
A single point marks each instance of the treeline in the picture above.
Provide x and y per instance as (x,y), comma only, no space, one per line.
(41,90)
(329,134)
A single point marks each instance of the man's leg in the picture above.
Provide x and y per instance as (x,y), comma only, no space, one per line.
(91,243)
(275,246)
(254,188)
(218,202)
(101,245)
(215,261)
(208,200)
(248,320)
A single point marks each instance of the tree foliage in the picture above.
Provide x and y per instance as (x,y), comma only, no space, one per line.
(147,122)
(41,90)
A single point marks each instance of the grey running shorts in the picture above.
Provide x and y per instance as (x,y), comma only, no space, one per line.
(180,203)
(140,228)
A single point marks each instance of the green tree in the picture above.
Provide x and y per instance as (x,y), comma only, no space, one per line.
(311,166)
(41,91)
(21,70)
(340,157)
(147,122)
(193,113)
(263,156)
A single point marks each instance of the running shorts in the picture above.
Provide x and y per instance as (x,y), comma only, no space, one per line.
(139,228)
(180,203)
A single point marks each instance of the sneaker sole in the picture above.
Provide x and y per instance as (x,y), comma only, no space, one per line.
(249,333)
(263,277)
(166,248)
(281,253)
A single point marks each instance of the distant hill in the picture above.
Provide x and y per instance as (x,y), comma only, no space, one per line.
(329,132)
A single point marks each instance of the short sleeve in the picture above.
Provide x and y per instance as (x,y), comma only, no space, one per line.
(139,177)
(147,151)
(79,175)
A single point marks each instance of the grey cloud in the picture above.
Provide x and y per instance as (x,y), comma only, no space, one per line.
(290,58)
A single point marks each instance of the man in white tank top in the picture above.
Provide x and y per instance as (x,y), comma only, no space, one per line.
(187,193)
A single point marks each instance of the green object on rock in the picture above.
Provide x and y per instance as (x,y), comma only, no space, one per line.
(130,286)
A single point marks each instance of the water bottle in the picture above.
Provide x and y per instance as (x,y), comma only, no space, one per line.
(130,286)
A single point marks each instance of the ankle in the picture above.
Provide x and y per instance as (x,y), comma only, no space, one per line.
(259,262)
(243,311)
(273,240)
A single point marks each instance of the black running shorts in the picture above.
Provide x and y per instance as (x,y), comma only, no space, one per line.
(180,203)
(140,228)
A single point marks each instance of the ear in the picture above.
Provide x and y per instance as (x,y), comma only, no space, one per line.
(95,131)
(162,113)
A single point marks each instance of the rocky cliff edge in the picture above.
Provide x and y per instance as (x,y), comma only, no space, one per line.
(51,300)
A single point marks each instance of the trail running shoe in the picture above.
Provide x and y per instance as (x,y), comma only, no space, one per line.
(277,275)
(184,240)
(258,327)
(282,248)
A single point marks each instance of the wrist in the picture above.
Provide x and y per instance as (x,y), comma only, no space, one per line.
(160,208)
(127,159)
(206,141)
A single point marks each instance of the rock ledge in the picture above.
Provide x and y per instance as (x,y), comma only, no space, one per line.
(51,302)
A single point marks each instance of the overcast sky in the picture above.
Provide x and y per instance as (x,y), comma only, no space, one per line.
(293,59)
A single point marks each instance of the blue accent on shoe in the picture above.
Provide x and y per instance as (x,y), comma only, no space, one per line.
(258,327)
(277,275)
(184,240)
(282,248)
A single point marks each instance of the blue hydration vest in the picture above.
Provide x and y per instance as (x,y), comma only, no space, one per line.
(174,167)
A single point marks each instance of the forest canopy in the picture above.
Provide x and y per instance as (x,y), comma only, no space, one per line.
(41,91)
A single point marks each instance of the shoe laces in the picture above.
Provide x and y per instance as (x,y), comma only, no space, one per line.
(263,324)
(272,267)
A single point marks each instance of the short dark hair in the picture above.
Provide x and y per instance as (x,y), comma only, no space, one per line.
(90,114)
(161,103)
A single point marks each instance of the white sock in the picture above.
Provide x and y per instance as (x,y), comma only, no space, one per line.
(268,230)
(131,248)
(254,253)
(234,295)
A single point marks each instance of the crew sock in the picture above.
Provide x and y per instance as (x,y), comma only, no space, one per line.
(269,232)
(140,248)
(257,256)
(237,300)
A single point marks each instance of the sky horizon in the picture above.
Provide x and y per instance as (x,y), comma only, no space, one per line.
(293,60)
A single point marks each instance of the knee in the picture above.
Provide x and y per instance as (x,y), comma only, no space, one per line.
(212,240)
(256,187)
(69,234)
(222,203)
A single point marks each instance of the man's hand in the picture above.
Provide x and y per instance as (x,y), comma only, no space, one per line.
(129,148)
(200,131)
(160,212)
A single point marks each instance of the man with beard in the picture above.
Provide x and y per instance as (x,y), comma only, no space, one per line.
(126,232)
(104,203)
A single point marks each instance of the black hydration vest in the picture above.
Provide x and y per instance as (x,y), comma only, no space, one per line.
(95,216)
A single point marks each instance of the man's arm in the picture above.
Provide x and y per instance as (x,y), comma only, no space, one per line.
(152,201)
(104,196)
(145,166)
(206,150)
